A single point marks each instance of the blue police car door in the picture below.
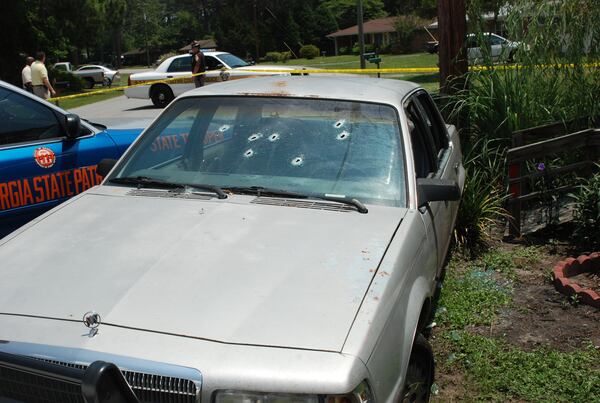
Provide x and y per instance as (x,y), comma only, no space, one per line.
(39,167)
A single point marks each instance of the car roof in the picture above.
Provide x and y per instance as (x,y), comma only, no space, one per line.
(353,88)
(207,53)
(20,91)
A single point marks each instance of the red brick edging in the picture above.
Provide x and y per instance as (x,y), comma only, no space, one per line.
(572,267)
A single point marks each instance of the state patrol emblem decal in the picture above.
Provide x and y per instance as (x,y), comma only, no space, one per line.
(44,157)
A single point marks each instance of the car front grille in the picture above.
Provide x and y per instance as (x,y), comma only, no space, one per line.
(150,388)
(23,386)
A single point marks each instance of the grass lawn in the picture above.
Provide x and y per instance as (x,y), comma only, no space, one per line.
(77,102)
(428,81)
(81,101)
(353,61)
(504,334)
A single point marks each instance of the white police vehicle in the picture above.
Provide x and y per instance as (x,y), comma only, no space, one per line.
(220,66)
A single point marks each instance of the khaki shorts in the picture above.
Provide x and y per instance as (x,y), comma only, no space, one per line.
(41,91)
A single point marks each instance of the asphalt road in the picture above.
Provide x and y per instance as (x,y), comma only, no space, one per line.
(120,112)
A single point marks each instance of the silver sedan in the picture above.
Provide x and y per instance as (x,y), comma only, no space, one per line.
(275,239)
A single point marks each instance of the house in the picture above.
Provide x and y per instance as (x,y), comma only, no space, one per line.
(380,32)
(137,57)
(205,44)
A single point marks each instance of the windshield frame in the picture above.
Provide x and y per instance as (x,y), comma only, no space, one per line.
(224,61)
(401,141)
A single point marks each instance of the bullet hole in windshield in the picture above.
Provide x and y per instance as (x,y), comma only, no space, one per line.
(297,161)
(343,135)
(249,153)
(339,123)
(274,137)
(224,128)
(254,137)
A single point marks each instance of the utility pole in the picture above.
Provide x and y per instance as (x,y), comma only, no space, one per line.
(361,34)
(452,28)
(256,38)
(146,40)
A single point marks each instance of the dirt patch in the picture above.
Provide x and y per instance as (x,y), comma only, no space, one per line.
(540,315)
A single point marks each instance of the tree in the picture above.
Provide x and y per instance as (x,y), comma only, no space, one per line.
(344,11)
(115,11)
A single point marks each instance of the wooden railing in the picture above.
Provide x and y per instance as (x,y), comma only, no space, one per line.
(546,141)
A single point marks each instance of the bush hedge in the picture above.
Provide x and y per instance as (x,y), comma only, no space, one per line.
(309,51)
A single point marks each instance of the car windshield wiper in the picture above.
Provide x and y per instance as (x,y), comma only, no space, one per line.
(262,191)
(145,181)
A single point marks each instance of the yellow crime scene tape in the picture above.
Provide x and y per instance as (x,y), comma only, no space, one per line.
(399,70)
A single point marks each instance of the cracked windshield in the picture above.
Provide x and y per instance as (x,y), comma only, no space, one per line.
(325,147)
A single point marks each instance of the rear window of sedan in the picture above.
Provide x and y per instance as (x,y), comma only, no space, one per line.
(351,149)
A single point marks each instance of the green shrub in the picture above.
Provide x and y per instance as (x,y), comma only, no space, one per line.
(406,26)
(369,47)
(309,51)
(273,57)
(344,50)
(483,196)
(587,213)
(65,81)
(285,56)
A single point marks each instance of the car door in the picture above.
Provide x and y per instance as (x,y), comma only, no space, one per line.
(39,166)
(180,70)
(216,70)
(497,47)
(429,125)
(473,50)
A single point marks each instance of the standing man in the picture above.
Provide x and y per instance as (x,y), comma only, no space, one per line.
(39,77)
(198,65)
(26,74)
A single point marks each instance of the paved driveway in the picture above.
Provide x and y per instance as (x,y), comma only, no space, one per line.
(120,112)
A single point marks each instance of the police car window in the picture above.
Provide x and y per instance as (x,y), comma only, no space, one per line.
(25,120)
(212,63)
(181,65)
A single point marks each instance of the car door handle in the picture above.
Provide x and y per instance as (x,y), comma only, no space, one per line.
(169,76)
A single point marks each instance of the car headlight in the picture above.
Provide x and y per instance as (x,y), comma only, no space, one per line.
(362,394)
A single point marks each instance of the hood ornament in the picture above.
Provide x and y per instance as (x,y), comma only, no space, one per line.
(92,320)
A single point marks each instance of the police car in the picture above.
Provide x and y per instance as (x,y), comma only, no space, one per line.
(47,155)
(220,66)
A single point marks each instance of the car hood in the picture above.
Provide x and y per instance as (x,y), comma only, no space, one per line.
(124,137)
(229,270)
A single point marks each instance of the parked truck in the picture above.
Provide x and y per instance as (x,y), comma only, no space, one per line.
(89,77)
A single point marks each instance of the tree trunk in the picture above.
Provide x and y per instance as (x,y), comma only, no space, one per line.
(452,28)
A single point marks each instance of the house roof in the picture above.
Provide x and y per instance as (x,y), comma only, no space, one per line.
(204,44)
(377,26)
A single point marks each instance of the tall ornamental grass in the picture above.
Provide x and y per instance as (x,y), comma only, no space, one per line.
(556,77)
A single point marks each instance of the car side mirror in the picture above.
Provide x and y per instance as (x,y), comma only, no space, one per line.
(432,189)
(73,125)
(105,166)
